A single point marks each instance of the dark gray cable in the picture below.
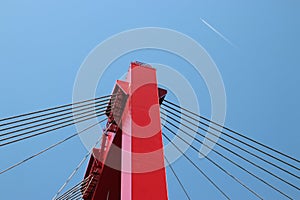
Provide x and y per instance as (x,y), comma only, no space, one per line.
(234,163)
(234,153)
(53,129)
(178,180)
(50,147)
(72,111)
(245,143)
(237,133)
(206,176)
(49,109)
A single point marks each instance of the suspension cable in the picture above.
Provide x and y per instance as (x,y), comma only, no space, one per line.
(73,191)
(222,132)
(79,165)
(231,143)
(206,176)
(229,160)
(51,147)
(30,118)
(97,114)
(178,180)
(237,133)
(72,111)
(47,122)
(49,109)
(238,155)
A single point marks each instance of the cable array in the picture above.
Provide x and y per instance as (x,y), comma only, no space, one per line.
(272,163)
(21,127)
(176,116)
(25,126)
(64,196)
(178,179)
(241,135)
(76,191)
(51,147)
(214,163)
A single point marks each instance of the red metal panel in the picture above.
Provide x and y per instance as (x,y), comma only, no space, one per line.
(148,171)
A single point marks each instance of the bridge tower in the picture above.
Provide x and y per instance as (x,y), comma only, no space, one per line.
(129,165)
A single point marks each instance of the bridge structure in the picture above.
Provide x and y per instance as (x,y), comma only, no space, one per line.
(129,162)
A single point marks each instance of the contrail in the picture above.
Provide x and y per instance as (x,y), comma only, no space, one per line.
(217,32)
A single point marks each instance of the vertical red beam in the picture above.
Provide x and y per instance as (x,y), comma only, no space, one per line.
(132,168)
(143,174)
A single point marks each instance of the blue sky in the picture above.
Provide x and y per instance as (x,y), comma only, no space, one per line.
(43,43)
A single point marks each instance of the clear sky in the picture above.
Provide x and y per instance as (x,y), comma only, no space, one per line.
(43,43)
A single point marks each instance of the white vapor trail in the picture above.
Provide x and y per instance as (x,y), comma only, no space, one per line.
(217,32)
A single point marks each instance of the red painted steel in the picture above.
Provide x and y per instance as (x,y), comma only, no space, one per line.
(130,161)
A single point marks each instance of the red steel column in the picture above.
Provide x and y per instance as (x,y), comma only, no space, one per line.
(143,171)
(129,165)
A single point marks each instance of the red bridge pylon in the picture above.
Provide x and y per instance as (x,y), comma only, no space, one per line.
(130,161)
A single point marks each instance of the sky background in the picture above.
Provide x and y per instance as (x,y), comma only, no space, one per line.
(43,43)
